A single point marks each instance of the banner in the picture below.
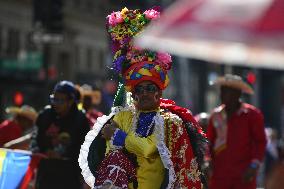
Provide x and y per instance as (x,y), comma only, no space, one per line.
(13,167)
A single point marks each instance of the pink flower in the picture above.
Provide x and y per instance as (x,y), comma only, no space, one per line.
(115,18)
(152,14)
(165,60)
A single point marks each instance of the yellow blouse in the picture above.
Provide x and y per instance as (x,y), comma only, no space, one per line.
(150,172)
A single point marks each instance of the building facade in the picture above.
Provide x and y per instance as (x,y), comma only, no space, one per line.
(30,65)
(31,60)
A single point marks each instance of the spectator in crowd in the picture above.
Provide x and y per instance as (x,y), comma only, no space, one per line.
(108,95)
(237,138)
(20,125)
(203,120)
(275,177)
(89,100)
(271,155)
(61,129)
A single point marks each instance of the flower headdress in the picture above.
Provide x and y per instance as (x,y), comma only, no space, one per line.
(130,62)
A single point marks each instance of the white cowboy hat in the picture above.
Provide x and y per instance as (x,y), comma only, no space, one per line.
(233,81)
(25,110)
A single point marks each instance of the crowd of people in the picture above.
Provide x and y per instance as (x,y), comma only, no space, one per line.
(146,142)
(56,132)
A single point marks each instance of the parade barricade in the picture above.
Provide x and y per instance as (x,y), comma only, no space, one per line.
(17,168)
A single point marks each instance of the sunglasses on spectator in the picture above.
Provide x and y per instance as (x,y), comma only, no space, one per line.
(57,101)
(151,88)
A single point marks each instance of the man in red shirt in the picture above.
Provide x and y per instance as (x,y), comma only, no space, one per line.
(21,123)
(237,138)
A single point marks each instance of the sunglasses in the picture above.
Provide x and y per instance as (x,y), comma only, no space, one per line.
(148,88)
(56,101)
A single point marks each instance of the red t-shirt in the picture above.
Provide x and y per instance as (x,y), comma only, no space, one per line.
(244,141)
(9,130)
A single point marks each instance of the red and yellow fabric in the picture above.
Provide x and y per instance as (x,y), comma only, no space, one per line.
(146,71)
(150,172)
(178,142)
(186,167)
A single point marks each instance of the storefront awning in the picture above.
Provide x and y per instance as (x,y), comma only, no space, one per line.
(248,33)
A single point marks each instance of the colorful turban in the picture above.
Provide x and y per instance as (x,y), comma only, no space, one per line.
(133,64)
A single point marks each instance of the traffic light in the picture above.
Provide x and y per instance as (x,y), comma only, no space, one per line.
(18,98)
(251,78)
(48,14)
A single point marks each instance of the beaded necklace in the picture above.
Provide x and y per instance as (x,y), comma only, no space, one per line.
(143,123)
(158,129)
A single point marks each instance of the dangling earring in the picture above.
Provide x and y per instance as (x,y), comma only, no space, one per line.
(136,98)
(156,97)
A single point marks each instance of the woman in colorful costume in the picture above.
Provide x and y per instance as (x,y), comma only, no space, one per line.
(150,143)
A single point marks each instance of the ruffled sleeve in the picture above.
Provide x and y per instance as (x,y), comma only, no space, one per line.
(85,147)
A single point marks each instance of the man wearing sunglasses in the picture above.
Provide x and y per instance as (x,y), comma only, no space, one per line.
(61,129)
(150,142)
(147,96)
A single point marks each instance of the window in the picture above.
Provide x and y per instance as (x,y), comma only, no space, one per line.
(101,59)
(89,58)
(29,43)
(62,65)
(76,3)
(1,40)
(13,43)
(89,4)
(77,57)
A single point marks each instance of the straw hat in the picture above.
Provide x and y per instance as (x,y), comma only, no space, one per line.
(87,90)
(25,110)
(233,81)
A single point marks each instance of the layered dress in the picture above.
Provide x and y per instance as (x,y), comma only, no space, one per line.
(161,149)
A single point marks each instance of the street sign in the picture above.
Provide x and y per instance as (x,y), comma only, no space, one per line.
(30,61)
